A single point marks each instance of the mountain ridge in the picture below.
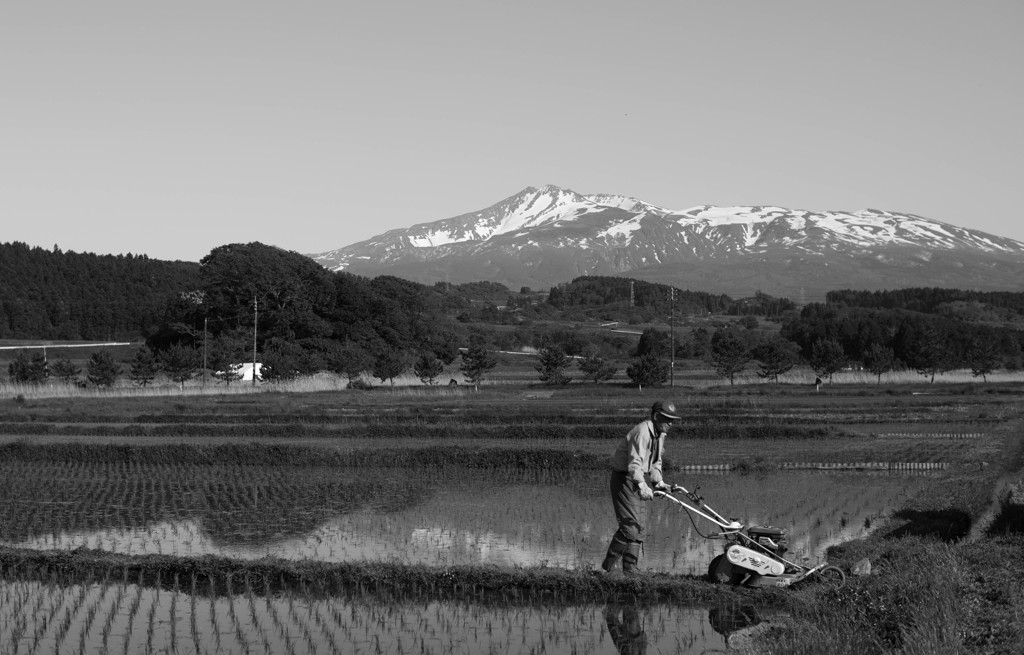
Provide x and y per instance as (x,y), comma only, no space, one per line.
(544,236)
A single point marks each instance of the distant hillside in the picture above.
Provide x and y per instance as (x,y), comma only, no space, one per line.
(50,294)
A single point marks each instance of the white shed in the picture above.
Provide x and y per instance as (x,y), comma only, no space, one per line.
(245,370)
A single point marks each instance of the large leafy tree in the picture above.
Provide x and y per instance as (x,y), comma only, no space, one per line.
(879,359)
(350,360)
(441,340)
(388,365)
(775,356)
(696,344)
(984,356)
(729,355)
(827,357)
(289,295)
(284,360)
(929,353)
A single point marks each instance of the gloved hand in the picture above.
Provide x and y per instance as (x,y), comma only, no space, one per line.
(646,493)
(662,486)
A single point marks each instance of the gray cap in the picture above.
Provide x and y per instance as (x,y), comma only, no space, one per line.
(666,408)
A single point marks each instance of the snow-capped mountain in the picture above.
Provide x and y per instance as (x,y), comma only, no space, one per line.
(541,237)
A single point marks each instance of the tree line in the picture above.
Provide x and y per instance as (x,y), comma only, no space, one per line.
(50,294)
(930,300)
(249,301)
(904,339)
(646,300)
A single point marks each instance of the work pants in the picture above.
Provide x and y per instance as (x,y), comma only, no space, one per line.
(630,510)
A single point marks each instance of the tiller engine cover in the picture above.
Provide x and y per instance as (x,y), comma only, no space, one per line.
(773,539)
(759,563)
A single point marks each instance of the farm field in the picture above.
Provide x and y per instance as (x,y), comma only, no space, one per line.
(503,485)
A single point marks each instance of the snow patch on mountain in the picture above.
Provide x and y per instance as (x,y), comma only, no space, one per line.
(432,239)
(622,230)
(627,203)
(546,205)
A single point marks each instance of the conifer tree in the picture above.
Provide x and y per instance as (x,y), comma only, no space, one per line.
(143,367)
(552,366)
(729,355)
(65,370)
(28,368)
(596,368)
(428,367)
(180,363)
(102,370)
(477,361)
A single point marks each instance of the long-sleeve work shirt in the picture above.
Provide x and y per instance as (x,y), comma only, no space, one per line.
(640,453)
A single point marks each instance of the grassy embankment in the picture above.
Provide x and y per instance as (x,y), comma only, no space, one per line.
(937,585)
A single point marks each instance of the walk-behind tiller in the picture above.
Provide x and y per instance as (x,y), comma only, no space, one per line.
(753,558)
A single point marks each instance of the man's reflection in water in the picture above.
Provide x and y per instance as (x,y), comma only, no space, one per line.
(730,617)
(626,631)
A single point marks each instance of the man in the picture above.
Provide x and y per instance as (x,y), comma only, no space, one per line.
(626,629)
(638,455)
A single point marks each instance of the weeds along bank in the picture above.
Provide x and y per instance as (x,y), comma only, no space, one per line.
(217,576)
(940,583)
(514,379)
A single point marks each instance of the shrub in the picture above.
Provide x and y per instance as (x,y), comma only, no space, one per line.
(648,370)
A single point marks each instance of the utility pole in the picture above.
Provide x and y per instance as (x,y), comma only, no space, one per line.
(205,319)
(672,338)
(255,318)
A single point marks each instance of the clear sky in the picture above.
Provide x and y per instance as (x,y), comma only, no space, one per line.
(171,128)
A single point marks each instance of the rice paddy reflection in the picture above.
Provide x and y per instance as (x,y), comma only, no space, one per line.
(421,517)
(119,616)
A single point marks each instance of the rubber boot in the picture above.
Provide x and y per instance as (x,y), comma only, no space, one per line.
(631,557)
(615,550)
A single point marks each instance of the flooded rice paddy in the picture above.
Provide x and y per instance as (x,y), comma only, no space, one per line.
(110,616)
(77,483)
(444,517)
